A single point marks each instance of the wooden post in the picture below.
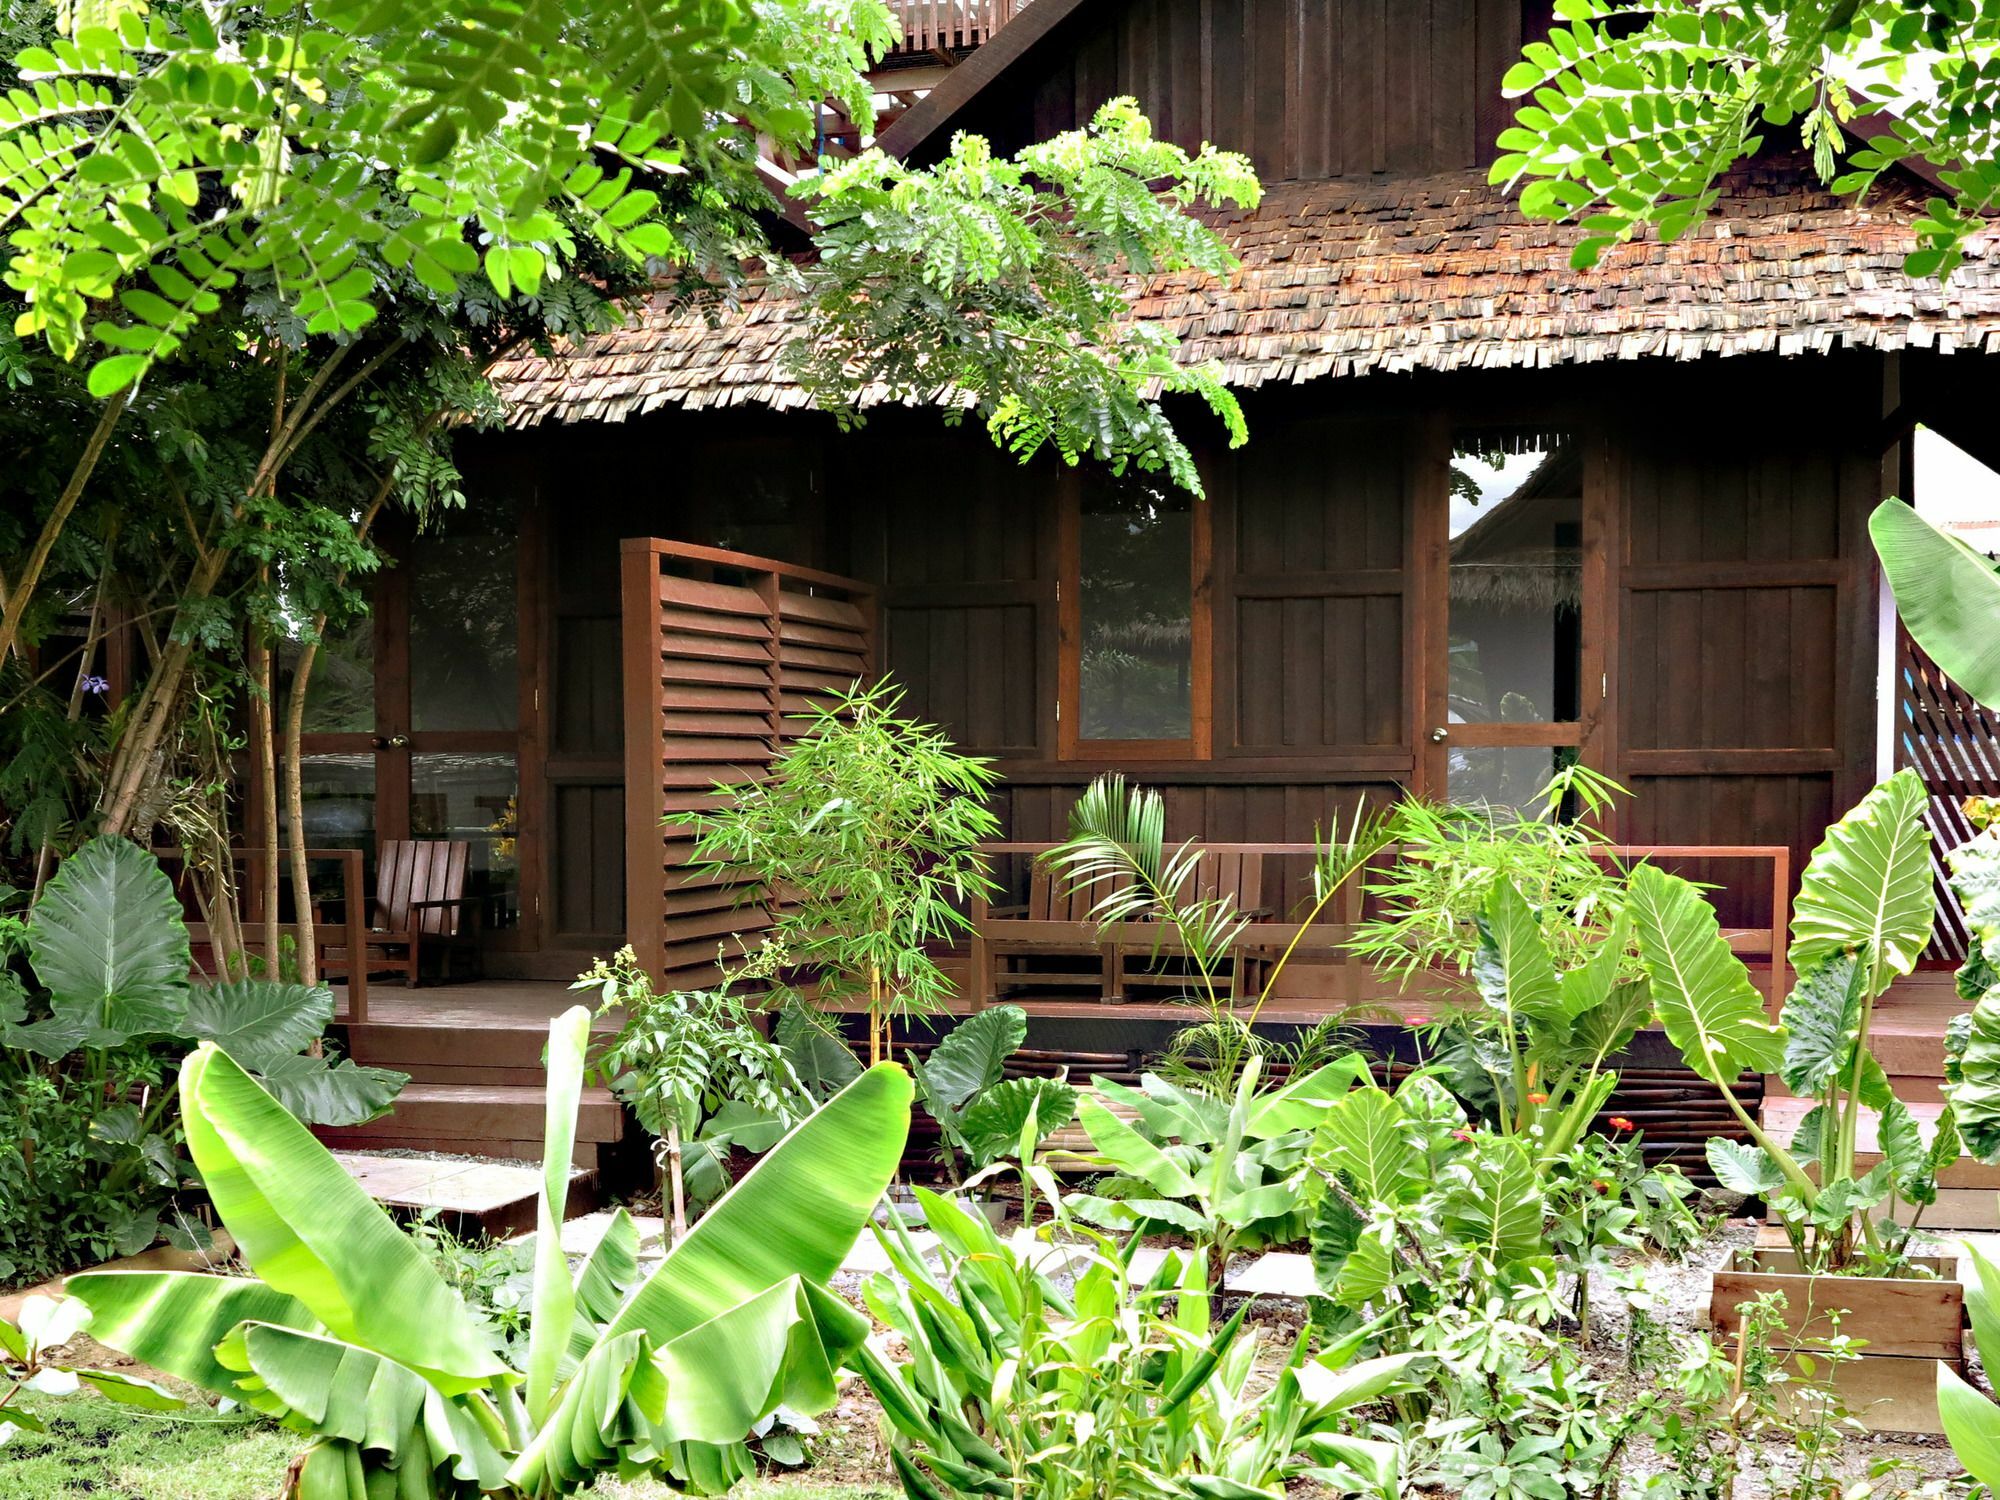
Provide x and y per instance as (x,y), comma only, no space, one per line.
(645,792)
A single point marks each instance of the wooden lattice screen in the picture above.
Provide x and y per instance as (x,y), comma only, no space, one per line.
(722,654)
(1954,744)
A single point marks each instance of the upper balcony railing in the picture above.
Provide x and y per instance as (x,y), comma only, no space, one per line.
(952,25)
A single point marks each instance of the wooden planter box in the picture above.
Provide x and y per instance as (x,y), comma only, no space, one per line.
(1909,1324)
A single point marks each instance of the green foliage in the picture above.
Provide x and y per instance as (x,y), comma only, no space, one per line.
(1017,1385)
(1117,852)
(1946,593)
(28,1368)
(697,1070)
(348,1334)
(1863,915)
(94,1166)
(869,825)
(993,268)
(1235,1173)
(1639,109)
(981,1117)
(1973,1049)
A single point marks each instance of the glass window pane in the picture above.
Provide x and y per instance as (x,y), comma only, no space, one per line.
(463,621)
(1516,578)
(1136,606)
(473,797)
(340,695)
(337,801)
(1511,776)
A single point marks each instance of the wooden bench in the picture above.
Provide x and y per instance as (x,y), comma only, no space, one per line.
(1056,925)
(420,906)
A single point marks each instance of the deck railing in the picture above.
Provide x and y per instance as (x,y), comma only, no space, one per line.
(1762,942)
(950,25)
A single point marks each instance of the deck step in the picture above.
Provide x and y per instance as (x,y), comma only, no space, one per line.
(1783,1116)
(494,1196)
(434,1113)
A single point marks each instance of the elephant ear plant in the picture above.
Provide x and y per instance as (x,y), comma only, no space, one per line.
(980,1114)
(1862,918)
(346,1332)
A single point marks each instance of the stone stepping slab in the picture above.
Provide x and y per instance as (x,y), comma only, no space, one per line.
(496,1196)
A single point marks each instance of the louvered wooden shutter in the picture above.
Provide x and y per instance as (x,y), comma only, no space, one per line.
(723,653)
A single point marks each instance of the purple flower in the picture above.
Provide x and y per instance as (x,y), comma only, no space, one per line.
(98,685)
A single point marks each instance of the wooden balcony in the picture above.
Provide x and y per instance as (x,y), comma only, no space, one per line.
(951,26)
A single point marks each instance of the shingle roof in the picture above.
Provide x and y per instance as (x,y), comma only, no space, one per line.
(1353,276)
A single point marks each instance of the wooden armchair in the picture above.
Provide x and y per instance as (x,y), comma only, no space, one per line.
(1052,942)
(420,906)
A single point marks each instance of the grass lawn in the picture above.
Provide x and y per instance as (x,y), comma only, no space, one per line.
(114,1453)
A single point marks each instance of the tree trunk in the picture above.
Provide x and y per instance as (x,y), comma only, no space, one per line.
(295,719)
(263,752)
(22,592)
(676,1187)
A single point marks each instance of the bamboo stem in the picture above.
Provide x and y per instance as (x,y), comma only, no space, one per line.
(22,591)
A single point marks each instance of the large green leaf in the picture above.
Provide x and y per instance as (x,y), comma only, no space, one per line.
(993,1122)
(1606,1029)
(1303,1102)
(310,1231)
(1513,968)
(254,1020)
(1972,1423)
(1131,1153)
(333,1389)
(1867,887)
(1711,1010)
(604,1282)
(1822,1020)
(1495,1202)
(555,1295)
(108,941)
(796,1213)
(330,1091)
(1749,1170)
(1365,1139)
(172,1320)
(824,1063)
(1947,594)
(1975,876)
(781,1347)
(1594,984)
(1975,1095)
(971,1058)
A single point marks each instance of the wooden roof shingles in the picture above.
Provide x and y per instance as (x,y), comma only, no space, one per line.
(1349,277)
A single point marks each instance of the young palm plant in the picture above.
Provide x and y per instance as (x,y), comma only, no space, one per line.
(1117,850)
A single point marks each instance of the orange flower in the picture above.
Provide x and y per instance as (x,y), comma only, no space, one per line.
(1461,1135)
(1538,1098)
(1619,1122)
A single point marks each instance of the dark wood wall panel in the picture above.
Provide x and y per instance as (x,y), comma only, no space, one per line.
(972,669)
(589,839)
(1308,88)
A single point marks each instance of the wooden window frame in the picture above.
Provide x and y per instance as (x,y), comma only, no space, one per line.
(1199,745)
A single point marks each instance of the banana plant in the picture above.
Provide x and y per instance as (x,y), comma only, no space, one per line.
(1970,1420)
(1234,1175)
(1947,594)
(1862,918)
(345,1331)
(1021,1385)
(1972,1043)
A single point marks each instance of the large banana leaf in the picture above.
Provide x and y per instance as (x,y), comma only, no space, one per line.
(334,1389)
(108,941)
(1711,1010)
(796,1213)
(172,1320)
(1867,887)
(1972,1423)
(1131,1153)
(1303,1102)
(308,1230)
(1947,594)
(555,1295)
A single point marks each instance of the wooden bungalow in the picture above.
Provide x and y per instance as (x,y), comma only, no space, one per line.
(1495,514)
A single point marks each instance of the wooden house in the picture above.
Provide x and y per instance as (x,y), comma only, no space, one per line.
(1495,513)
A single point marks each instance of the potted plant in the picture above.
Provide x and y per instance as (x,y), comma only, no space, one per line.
(1862,917)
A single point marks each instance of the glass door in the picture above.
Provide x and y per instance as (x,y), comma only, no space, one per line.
(1508,707)
(413,715)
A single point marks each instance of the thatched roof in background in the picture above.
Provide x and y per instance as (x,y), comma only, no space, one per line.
(1353,276)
